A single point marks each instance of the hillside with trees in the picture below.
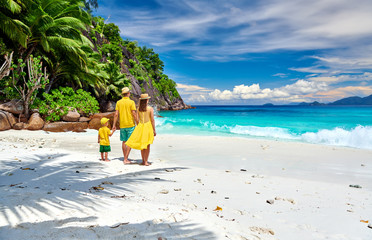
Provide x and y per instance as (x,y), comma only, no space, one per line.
(54,52)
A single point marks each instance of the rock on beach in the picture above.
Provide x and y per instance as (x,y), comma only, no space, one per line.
(7,120)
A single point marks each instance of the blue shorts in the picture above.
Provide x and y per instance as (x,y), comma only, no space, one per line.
(125,133)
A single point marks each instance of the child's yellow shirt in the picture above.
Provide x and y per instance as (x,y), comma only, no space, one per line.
(104,133)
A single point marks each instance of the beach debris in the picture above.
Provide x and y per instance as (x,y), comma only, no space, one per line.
(291,200)
(247,182)
(106,182)
(77,172)
(261,230)
(227,198)
(97,188)
(12,185)
(198,181)
(240,212)
(157,178)
(164,191)
(364,221)
(123,196)
(63,189)
(49,192)
(349,210)
(362,165)
(27,168)
(218,209)
(227,171)
(10,174)
(278,198)
(243,170)
(93,226)
(258,193)
(169,170)
(355,186)
(177,189)
(370,225)
(257,176)
(119,224)
(264,147)
(270,201)
(213,192)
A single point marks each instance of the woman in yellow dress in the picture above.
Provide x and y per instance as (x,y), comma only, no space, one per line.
(143,134)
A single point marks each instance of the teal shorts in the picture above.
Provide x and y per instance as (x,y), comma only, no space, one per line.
(103,148)
(125,133)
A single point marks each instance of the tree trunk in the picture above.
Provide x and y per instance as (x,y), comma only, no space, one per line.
(5,68)
(49,85)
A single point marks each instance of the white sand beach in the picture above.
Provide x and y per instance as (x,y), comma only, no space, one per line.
(53,186)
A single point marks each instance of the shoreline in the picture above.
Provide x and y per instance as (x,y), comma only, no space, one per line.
(300,160)
(176,196)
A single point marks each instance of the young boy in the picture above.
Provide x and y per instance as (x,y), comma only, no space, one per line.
(103,139)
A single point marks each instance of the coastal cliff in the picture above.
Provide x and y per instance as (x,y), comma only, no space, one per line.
(141,80)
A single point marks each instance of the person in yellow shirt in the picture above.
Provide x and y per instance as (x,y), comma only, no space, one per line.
(103,139)
(126,111)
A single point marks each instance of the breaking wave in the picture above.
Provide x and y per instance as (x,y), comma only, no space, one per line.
(358,137)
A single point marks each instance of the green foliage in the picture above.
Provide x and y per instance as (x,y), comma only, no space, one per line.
(138,72)
(113,52)
(115,81)
(3,48)
(167,86)
(7,91)
(112,33)
(60,101)
(98,25)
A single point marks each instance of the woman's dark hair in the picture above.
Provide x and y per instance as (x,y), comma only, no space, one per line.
(142,105)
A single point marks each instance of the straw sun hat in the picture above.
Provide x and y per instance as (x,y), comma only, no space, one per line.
(124,90)
(145,96)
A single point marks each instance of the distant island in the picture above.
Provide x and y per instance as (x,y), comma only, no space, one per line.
(344,101)
(315,103)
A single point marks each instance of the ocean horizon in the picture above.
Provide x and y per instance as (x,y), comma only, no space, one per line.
(348,126)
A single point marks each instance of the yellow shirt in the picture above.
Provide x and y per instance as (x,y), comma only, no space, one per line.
(104,133)
(125,107)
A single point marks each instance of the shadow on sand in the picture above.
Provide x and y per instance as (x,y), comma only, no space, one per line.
(44,184)
(82,228)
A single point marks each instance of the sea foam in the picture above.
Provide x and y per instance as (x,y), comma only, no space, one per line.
(358,137)
(270,132)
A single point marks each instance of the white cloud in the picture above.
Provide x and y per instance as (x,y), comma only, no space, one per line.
(285,93)
(193,93)
(190,88)
(281,75)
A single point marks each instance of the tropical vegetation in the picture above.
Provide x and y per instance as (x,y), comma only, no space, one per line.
(56,46)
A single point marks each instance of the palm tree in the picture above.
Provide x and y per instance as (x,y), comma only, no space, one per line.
(56,25)
(13,28)
(115,80)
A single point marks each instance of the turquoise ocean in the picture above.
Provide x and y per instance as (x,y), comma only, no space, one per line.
(349,126)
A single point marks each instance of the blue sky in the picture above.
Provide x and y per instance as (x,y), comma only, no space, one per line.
(254,51)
